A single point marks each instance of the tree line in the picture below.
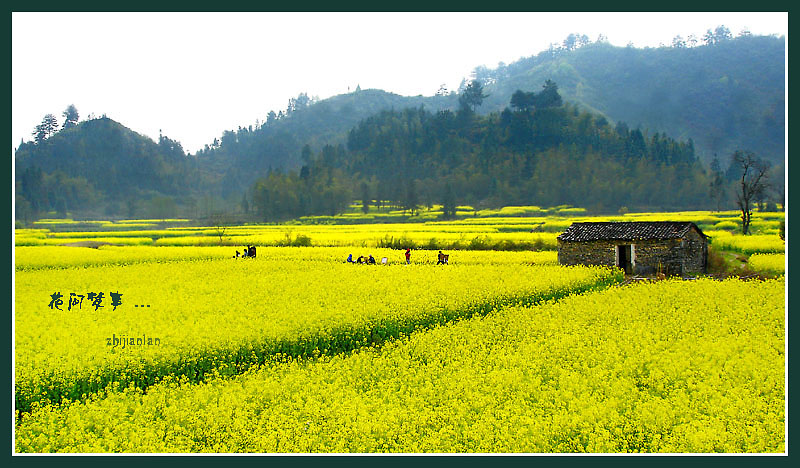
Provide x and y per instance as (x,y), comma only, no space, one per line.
(538,150)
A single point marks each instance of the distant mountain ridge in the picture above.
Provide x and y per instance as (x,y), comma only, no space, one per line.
(726,96)
(103,166)
(115,159)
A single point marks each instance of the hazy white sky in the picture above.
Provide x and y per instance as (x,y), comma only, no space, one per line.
(194,75)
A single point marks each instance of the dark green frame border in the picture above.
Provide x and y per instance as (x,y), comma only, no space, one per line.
(386,460)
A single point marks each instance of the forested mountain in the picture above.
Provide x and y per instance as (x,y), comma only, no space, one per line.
(239,157)
(539,150)
(632,127)
(101,162)
(726,94)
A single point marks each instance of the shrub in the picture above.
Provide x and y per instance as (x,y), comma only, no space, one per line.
(716,262)
(389,242)
(301,241)
(726,225)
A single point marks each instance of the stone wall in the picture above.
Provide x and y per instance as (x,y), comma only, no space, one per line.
(654,256)
(587,253)
(669,256)
(696,247)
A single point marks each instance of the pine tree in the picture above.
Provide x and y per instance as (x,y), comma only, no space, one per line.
(70,116)
(46,129)
(365,200)
(472,97)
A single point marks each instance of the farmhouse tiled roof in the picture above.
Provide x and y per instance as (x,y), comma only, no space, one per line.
(627,231)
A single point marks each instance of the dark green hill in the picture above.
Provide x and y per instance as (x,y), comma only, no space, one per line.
(100,161)
(241,156)
(545,152)
(724,97)
(714,98)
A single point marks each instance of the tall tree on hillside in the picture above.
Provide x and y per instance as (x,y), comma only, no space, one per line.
(245,204)
(523,101)
(569,42)
(411,202)
(549,96)
(22,208)
(302,100)
(472,97)
(365,199)
(720,34)
(51,124)
(70,116)
(46,129)
(33,188)
(717,186)
(752,184)
(780,195)
(448,202)
(39,133)
(271,118)
(305,154)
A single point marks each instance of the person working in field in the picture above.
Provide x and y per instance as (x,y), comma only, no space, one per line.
(350,258)
(443,258)
(371,260)
(408,256)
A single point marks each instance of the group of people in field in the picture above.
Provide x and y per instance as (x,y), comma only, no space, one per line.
(362,260)
(249,251)
(443,259)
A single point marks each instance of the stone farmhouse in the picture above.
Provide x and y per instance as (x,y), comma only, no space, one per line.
(640,247)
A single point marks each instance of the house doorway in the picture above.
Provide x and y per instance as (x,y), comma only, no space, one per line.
(624,258)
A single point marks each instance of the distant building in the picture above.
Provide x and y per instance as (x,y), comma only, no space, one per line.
(640,248)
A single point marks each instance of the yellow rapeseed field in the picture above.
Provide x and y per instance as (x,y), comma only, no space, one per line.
(225,314)
(750,244)
(672,366)
(513,228)
(42,257)
(299,351)
(768,263)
